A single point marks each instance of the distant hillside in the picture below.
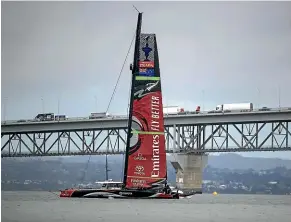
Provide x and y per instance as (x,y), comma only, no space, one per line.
(229,161)
(232,171)
(235,161)
(72,168)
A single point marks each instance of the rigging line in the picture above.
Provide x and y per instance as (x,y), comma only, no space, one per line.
(87,164)
(136,9)
(86,168)
(127,114)
(120,74)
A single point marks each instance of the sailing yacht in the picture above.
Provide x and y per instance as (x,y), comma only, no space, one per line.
(145,166)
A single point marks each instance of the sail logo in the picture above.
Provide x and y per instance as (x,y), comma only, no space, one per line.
(146,64)
(143,92)
(138,182)
(156,156)
(146,72)
(139,170)
(147,49)
(150,86)
(139,157)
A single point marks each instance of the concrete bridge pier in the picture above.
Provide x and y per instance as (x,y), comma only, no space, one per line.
(189,169)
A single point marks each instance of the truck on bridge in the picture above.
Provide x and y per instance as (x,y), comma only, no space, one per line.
(50,117)
(234,107)
(177,110)
(173,110)
(45,117)
(99,115)
(60,117)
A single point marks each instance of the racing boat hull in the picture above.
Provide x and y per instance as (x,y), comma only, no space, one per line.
(126,194)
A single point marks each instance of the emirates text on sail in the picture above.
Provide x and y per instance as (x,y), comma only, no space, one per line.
(155,108)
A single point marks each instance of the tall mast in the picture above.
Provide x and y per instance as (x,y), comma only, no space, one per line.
(134,70)
(106,159)
(106,167)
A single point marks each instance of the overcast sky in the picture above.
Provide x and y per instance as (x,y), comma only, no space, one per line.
(74,51)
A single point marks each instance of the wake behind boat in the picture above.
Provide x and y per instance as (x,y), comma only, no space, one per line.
(145,167)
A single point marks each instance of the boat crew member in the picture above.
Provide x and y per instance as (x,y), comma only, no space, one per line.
(167,189)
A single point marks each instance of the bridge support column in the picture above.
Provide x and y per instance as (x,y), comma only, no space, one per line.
(189,169)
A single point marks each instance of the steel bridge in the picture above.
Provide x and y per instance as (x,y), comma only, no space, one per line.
(228,132)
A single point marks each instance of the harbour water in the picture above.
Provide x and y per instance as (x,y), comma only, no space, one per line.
(26,206)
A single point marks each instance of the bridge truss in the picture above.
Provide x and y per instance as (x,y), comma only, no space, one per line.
(273,136)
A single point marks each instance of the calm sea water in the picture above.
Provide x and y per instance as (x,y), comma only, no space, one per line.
(48,207)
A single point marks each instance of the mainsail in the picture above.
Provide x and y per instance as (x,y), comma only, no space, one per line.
(145,161)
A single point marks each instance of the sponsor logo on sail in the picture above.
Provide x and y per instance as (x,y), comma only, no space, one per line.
(142,92)
(146,64)
(138,182)
(147,49)
(139,170)
(146,72)
(139,157)
(155,126)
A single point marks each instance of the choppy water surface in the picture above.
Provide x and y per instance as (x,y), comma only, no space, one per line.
(47,207)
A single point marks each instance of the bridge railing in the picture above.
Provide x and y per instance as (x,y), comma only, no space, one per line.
(188,113)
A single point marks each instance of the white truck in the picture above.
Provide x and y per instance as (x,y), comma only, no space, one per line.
(234,107)
(59,117)
(45,117)
(173,110)
(99,115)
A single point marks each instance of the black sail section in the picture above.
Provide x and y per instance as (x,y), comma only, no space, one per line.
(134,69)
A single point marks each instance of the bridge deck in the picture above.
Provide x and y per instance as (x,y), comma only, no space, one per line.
(121,123)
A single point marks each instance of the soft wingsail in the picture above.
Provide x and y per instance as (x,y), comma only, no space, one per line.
(145,163)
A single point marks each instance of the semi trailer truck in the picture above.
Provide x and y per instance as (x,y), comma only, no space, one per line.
(173,110)
(234,107)
(99,115)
